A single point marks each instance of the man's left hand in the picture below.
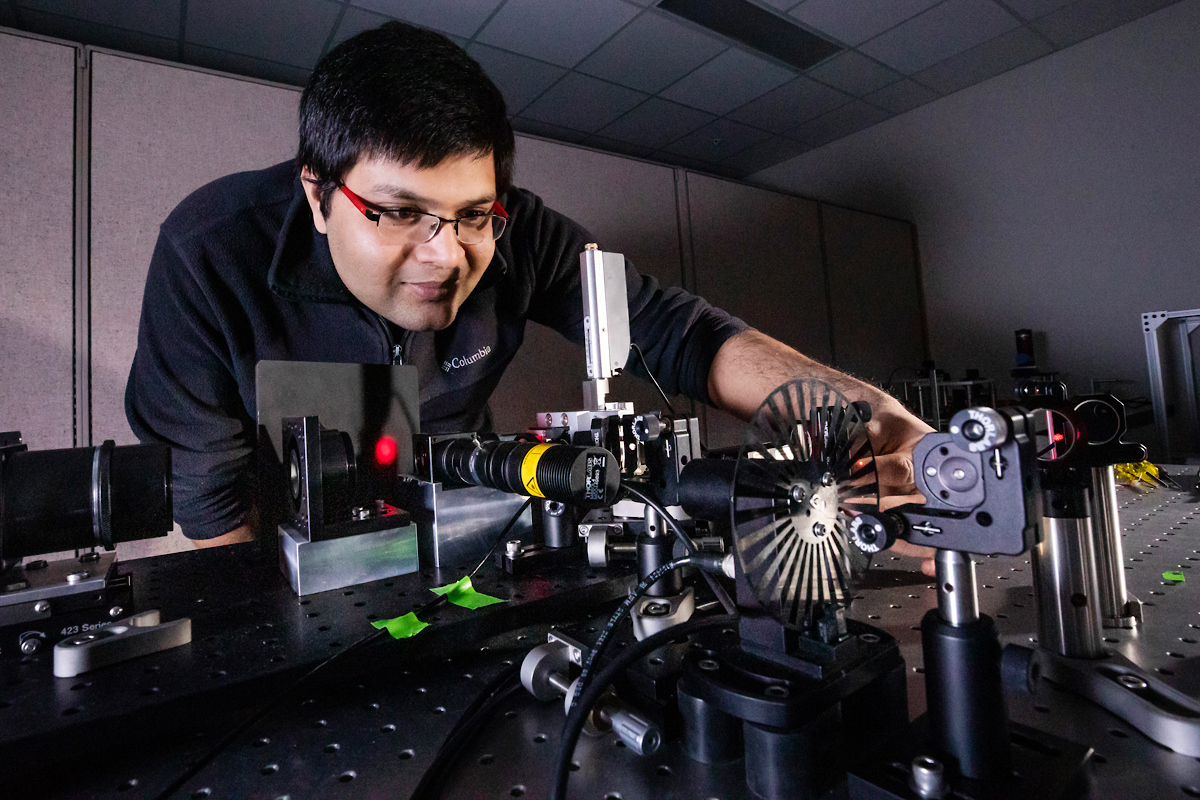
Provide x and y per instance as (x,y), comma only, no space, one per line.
(894,432)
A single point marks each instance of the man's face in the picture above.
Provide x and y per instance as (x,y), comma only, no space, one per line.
(417,285)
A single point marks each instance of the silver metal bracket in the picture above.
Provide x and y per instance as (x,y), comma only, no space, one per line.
(462,523)
(336,563)
(1178,325)
(653,614)
(138,635)
(1161,712)
(54,580)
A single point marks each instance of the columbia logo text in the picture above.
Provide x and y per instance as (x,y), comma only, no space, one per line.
(459,362)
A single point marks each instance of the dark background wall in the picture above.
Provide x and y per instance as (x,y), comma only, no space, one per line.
(1062,196)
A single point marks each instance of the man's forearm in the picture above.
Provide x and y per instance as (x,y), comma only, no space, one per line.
(751,365)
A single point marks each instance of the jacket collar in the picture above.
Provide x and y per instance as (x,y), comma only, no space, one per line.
(302,266)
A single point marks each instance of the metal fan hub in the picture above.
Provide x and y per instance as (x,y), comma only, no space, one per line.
(818,515)
(805,470)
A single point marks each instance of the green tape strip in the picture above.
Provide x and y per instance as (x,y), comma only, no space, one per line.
(402,627)
(462,593)
(1173,576)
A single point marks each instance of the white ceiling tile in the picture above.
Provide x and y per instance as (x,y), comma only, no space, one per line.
(717,141)
(97,35)
(1032,9)
(1008,50)
(357,20)
(240,64)
(260,30)
(651,52)
(550,131)
(854,73)
(521,80)
(902,96)
(855,21)
(656,123)
(840,122)
(462,17)
(617,146)
(156,17)
(732,79)
(790,104)
(765,154)
(1087,18)
(778,5)
(354,22)
(563,32)
(583,103)
(941,32)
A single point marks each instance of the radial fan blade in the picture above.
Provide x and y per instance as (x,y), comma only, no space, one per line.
(805,467)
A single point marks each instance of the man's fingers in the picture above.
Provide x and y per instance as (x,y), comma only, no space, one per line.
(893,500)
(896,488)
(895,473)
(903,548)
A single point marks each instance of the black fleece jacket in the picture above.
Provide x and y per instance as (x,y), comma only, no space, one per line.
(241,275)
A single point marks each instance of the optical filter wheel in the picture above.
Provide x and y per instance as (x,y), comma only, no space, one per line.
(805,469)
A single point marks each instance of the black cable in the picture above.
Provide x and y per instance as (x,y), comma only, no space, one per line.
(622,610)
(370,638)
(257,717)
(887,385)
(512,521)
(719,590)
(646,367)
(468,725)
(573,727)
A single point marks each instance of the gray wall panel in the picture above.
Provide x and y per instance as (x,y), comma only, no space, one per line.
(630,208)
(874,293)
(758,256)
(37,156)
(158,133)
(1060,196)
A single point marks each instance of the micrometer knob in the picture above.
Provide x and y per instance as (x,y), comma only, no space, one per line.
(874,532)
(638,733)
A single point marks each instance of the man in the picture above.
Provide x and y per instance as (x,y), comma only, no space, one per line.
(396,237)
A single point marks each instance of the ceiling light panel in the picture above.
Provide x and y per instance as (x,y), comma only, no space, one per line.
(756,28)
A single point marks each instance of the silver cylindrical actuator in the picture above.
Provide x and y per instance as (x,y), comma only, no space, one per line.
(1064,574)
(1117,608)
(958,601)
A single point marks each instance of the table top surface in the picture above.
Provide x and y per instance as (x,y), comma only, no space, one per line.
(371,726)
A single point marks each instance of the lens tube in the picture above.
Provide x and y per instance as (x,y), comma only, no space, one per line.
(586,477)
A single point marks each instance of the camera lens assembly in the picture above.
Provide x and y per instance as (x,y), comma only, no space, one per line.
(73,499)
(77,498)
(586,477)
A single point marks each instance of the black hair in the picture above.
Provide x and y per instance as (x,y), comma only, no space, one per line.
(401,93)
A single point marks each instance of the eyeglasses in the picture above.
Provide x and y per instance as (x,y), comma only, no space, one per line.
(412,225)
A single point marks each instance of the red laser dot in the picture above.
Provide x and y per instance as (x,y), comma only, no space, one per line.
(385,451)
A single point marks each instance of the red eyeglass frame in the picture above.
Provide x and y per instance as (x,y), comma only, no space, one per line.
(375,213)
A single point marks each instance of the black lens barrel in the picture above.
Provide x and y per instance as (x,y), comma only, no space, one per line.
(82,497)
(586,477)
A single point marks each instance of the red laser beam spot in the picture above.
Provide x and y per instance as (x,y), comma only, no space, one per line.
(385,451)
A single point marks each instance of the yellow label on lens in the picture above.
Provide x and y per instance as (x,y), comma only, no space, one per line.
(529,469)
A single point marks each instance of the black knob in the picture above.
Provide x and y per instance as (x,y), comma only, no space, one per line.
(874,532)
(973,430)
